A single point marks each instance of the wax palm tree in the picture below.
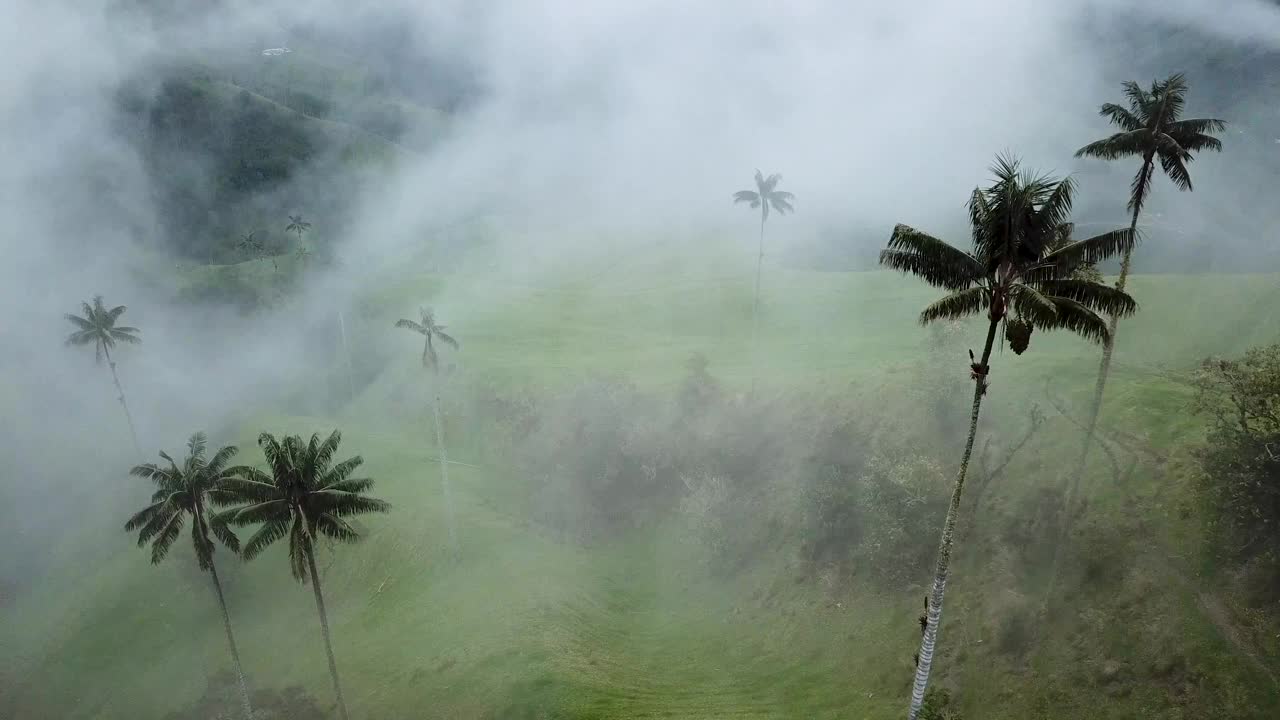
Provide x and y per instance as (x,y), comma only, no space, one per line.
(299,226)
(250,245)
(303,495)
(1015,277)
(186,491)
(98,327)
(430,332)
(765,196)
(1150,129)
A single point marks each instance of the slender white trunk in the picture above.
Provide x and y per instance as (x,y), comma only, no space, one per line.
(1095,410)
(133,433)
(444,471)
(231,641)
(755,306)
(925,659)
(324,626)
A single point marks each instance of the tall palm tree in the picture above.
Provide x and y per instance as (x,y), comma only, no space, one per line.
(98,327)
(765,196)
(1015,277)
(250,245)
(184,491)
(299,226)
(303,494)
(1150,129)
(430,331)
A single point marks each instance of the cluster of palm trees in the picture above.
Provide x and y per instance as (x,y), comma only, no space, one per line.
(253,247)
(1025,272)
(302,495)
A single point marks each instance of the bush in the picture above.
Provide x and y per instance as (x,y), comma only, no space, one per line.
(1240,486)
(882,520)
(938,706)
(744,477)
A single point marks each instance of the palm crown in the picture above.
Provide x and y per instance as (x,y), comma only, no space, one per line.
(1150,128)
(181,491)
(303,494)
(431,331)
(297,225)
(250,243)
(1022,263)
(98,326)
(766,195)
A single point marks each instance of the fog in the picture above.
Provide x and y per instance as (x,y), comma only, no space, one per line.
(596,129)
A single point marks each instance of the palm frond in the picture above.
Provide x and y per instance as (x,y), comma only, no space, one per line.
(403,323)
(203,546)
(144,516)
(260,512)
(322,455)
(747,196)
(79,322)
(354,485)
(265,535)
(1121,117)
(446,339)
(336,528)
(1033,306)
(344,504)
(1195,126)
(1095,296)
(339,473)
(299,550)
(245,485)
(781,201)
(218,525)
(1120,145)
(1140,187)
(1079,319)
(1139,100)
(165,537)
(932,260)
(218,463)
(1089,252)
(1173,161)
(959,304)
(1196,143)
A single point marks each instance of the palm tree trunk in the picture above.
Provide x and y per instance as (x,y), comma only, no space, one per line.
(925,662)
(1095,409)
(133,433)
(231,640)
(324,626)
(755,304)
(444,471)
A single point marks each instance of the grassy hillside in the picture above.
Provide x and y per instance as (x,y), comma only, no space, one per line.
(525,625)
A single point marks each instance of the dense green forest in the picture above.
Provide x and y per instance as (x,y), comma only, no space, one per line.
(374,380)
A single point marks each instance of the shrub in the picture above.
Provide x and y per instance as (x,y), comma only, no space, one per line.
(1240,486)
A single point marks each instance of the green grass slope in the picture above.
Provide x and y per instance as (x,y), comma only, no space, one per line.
(522,625)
